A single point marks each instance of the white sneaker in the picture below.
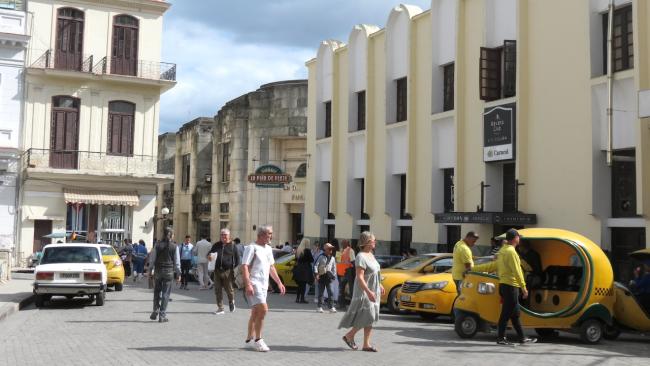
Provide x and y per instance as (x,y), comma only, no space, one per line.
(219,312)
(333,310)
(260,346)
(319,310)
(251,344)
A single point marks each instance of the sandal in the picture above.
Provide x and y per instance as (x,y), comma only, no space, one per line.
(350,343)
(369,349)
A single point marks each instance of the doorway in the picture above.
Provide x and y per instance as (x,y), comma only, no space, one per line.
(296,226)
(64,135)
(453,236)
(41,228)
(625,241)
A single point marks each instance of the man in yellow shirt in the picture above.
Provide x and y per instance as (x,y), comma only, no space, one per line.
(463,261)
(511,282)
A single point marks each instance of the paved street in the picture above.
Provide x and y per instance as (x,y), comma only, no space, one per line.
(120,333)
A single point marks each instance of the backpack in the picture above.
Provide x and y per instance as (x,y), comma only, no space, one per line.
(239,270)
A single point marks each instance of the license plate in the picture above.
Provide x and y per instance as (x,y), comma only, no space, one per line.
(405,298)
(69,275)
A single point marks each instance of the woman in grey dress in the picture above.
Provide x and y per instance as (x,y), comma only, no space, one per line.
(363,311)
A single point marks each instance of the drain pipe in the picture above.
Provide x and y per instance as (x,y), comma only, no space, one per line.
(610,83)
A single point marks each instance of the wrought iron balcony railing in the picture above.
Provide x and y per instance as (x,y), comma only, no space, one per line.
(90,162)
(56,59)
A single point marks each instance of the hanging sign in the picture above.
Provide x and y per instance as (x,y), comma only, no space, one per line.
(269,176)
(499,133)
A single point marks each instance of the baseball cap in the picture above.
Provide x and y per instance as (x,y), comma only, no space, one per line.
(511,234)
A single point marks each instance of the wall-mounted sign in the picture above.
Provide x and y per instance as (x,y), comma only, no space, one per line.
(269,176)
(493,218)
(499,133)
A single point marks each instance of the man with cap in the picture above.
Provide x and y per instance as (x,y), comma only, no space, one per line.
(511,282)
(463,260)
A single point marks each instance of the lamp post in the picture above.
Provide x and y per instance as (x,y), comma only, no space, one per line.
(163,217)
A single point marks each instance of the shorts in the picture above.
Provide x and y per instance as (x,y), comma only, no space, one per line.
(259,295)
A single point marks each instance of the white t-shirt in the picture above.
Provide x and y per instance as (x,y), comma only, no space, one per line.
(260,266)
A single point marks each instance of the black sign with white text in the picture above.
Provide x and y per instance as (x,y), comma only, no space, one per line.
(499,133)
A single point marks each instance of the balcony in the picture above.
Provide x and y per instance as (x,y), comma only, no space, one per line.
(106,66)
(88,162)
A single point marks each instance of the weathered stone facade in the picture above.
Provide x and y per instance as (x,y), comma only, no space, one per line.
(166,165)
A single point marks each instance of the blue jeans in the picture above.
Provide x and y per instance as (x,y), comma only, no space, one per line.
(322,286)
(161,291)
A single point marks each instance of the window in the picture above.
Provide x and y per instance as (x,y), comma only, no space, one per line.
(498,71)
(185,171)
(448,87)
(448,194)
(124,52)
(301,172)
(364,216)
(624,184)
(405,238)
(76,220)
(68,54)
(120,128)
(224,207)
(401,99)
(330,215)
(328,119)
(402,198)
(64,132)
(225,162)
(509,188)
(361,110)
(622,40)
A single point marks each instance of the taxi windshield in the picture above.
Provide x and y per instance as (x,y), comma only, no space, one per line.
(412,263)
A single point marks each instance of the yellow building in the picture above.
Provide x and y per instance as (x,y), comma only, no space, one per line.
(482,115)
(92,106)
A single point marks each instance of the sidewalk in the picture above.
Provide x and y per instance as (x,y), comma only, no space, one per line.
(15,294)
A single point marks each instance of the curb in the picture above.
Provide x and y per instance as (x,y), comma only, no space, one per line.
(10,309)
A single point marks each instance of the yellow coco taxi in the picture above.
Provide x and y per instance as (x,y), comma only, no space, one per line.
(284,266)
(113,265)
(393,277)
(575,293)
(433,294)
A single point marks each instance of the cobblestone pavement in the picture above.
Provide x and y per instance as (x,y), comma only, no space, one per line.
(74,332)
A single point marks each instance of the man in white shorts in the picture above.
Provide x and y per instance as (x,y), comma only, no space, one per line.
(258,264)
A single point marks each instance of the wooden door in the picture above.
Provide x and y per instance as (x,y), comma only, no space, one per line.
(64,133)
(41,228)
(124,55)
(68,54)
(120,128)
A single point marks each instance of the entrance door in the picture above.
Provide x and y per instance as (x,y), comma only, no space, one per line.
(296,225)
(124,55)
(69,39)
(64,132)
(453,236)
(41,228)
(625,241)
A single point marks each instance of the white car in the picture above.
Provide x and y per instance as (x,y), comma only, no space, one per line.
(70,270)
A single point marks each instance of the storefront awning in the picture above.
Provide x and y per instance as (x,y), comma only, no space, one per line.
(101,197)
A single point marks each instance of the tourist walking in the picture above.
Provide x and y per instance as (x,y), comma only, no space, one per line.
(345,271)
(126,254)
(363,311)
(164,266)
(224,270)
(257,266)
(202,250)
(303,272)
(139,255)
(325,273)
(186,261)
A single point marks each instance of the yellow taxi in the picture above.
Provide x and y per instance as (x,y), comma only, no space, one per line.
(433,294)
(393,277)
(114,266)
(284,266)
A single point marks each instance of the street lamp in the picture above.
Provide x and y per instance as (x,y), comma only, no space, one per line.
(162,216)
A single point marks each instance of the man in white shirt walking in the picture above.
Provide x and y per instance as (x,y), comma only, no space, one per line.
(257,264)
(202,249)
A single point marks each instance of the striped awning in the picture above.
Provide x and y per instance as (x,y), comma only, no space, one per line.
(101,197)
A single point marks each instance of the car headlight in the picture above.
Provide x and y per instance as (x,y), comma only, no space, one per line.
(382,278)
(434,285)
(486,288)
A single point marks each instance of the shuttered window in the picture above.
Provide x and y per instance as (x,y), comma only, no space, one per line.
(622,40)
(509,69)
(120,128)
(68,54)
(328,119)
(64,132)
(498,71)
(401,99)
(448,88)
(361,110)
(124,52)
(185,171)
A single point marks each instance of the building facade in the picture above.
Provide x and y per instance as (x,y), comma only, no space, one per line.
(14,37)
(474,116)
(93,85)
(262,132)
(165,194)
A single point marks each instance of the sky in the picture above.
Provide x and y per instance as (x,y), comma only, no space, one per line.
(227,48)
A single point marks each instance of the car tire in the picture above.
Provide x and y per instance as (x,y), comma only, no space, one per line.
(393,302)
(611,333)
(119,287)
(547,333)
(591,331)
(39,301)
(466,325)
(100,298)
(428,316)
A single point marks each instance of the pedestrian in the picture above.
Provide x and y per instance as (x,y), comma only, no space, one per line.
(257,265)
(186,261)
(462,258)
(139,255)
(511,283)
(164,266)
(325,273)
(224,270)
(240,248)
(287,248)
(303,272)
(126,254)
(315,253)
(345,271)
(495,245)
(202,249)
(363,311)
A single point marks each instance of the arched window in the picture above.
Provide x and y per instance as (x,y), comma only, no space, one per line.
(124,53)
(121,117)
(64,132)
(301,172)
(68,54)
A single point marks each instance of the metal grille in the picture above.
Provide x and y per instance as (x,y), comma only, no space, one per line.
(411,287)
(407,304)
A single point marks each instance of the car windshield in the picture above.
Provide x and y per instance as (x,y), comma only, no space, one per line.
(412,263)
(284,259)
(70,254)
(108,251)
(479,260)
